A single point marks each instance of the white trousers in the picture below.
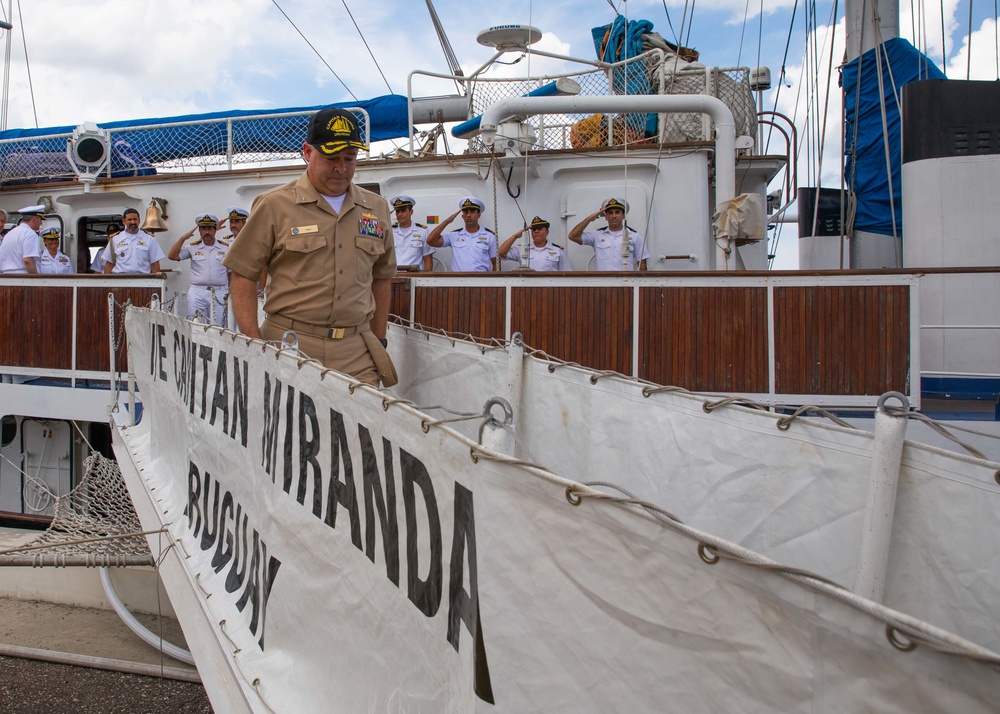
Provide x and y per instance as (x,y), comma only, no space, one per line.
(201,301)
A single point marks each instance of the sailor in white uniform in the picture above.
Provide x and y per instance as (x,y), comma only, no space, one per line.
(97,264)
(53,261)
(209,277)
(473,248)
(237,217)
(607,241)
(411,238)
(20,250)
(543,255)
(133,250)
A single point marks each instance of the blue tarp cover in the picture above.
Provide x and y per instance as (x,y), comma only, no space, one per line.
(624,40)
(387,115)
(866,174)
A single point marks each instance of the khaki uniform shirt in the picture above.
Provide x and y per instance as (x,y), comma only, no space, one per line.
(320,265)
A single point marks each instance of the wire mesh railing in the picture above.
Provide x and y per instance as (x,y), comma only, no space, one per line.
(652,72)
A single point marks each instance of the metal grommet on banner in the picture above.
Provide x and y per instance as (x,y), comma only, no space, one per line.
(290,342)
(425,425)
(472,453)
(572,496)
(896,640)
(708,553)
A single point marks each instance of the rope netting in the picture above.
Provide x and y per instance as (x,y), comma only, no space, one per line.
(94,525)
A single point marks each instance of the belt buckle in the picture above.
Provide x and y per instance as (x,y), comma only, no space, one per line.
(335,333)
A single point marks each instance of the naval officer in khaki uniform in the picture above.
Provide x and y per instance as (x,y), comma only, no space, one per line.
(330,256)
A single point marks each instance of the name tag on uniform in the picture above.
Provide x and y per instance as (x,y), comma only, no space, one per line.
(299,230)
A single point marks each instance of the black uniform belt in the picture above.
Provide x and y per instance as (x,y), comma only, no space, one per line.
(328,331)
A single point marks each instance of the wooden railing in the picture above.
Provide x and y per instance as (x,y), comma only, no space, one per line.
(57,326)
(829,340)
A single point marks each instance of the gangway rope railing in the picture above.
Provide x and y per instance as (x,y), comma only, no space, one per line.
(651,388)
(903,632)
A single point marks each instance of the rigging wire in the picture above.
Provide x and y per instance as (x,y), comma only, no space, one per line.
(275,3)
(5,100)
(370,53)
(743,30)
(690,23)
(784,61)
(944,54)
(671,24)
(968,56)
(27,64)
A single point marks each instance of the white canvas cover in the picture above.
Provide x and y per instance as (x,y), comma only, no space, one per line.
(550,607)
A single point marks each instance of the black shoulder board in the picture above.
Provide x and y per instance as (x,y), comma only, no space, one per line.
(395,225)
(419,225)
(557,246)
(488,230)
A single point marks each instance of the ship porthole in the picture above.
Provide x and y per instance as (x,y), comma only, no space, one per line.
(8,429)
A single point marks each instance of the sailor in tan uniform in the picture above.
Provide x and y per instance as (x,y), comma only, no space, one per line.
(209,289)
(53,261)
(328,248)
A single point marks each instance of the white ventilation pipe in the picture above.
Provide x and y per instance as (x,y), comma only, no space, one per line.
(722,117)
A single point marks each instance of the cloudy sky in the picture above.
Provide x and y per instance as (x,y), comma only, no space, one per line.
(105,60)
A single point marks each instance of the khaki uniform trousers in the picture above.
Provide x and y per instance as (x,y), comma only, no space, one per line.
(349,355)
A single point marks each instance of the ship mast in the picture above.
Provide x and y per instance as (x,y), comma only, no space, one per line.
(869,23)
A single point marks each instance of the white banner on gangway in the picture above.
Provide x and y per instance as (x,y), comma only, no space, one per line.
(361,563)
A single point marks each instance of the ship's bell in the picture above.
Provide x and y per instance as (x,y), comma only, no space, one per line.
(154,219)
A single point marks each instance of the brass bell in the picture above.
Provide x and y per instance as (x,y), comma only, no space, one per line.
(154,219)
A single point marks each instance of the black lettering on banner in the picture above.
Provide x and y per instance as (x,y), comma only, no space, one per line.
(308,451)
(272,417)
(221,557)
(241,390)
(192,373)
(193,510)
(211,530)
(289,423)
(463,606)
(220,395)
(152,349)
(384,503)
(256,577)
(252,581)
(179,369)
(270,573)
(237,573)
(156,351)
(205,353)
(425,594)
(343,492)
(161,352)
